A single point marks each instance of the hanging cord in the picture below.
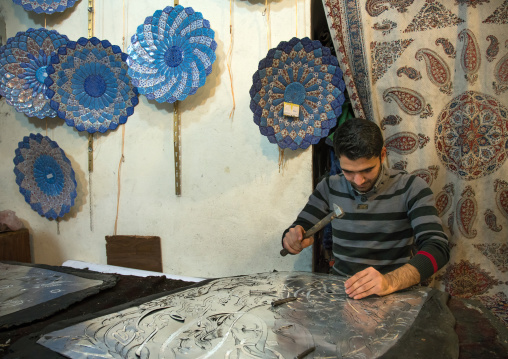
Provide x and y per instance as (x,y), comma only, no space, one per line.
(46,117)
(91,28)
(177,144)
(282,160)
(268,30)
(90,198)
(269,45)
(230,56)
(58,218)
(122,157)
(177,148)
(296,6)
(122,160)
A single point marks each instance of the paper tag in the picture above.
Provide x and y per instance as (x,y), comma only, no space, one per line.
(291,109)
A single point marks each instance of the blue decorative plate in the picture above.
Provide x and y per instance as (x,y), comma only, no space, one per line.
(45,6)
(171,54)
(23,62)
(88,85)
(301,72)
(45,176)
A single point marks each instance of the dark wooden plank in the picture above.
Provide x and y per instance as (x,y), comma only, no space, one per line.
(15,246)
(138,252)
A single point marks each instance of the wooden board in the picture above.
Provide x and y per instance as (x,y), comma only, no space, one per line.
(138,252)
(15,246)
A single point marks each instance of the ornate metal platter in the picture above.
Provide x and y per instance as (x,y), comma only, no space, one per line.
(236,317)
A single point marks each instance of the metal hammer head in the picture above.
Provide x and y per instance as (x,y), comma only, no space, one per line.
(338,212)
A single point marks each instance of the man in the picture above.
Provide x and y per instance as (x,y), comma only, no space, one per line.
(387,213)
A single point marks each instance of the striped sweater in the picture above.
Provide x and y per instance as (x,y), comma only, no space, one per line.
(380,228)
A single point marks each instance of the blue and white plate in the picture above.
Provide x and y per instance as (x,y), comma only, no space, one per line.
(23,69)
(171,54)
(89,87)
(45,6)
(45,176)
(300,72)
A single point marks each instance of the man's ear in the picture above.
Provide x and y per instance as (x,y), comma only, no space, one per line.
(383,154)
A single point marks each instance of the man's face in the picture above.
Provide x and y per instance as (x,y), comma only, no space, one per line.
(363,172)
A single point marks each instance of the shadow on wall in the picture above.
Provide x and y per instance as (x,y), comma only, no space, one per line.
(3,30)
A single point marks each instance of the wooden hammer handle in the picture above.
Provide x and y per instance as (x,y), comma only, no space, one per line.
(315,228)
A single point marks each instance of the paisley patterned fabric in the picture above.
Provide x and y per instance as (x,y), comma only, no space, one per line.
(435,78)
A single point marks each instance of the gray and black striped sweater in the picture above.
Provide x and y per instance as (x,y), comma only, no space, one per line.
(381,227)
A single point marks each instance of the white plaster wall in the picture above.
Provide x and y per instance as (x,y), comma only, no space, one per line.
(234,204)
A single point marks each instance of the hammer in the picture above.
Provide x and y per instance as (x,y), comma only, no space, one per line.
(337,213)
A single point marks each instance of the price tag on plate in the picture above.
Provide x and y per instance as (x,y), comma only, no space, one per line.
(291,109)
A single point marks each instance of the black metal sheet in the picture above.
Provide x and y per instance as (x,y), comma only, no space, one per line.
(30,292)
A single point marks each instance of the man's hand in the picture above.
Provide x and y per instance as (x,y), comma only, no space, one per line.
(369,281)
(293,240)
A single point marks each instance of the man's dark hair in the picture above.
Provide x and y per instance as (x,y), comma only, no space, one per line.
(358,138)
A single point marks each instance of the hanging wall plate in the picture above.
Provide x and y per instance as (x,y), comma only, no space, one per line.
(88,85)
(303,74)
(171,54)
(23,70)
(45,6)
(45,176)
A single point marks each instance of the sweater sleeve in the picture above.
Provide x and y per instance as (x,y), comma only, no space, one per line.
(430,239)
(316,208)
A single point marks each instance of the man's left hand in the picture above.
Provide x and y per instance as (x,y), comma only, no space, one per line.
(367,282)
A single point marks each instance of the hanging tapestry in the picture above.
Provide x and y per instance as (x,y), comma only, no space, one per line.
(45,6)
(171,54)
(31,292)
(45,176)
(89,87)
(434,75)
(300,73)
(23,69)
(267,315)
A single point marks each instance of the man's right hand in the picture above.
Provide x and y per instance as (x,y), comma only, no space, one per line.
(293,240)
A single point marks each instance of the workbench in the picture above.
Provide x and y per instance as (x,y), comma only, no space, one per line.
(479,333)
